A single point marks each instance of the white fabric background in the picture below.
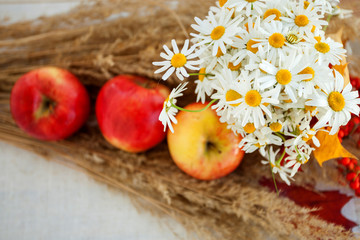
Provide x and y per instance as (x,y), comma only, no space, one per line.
(40,199)
(45,200)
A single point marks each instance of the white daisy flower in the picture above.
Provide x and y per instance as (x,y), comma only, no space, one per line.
(265,64)
(253,103)
(210,61)
(318,77)
(254,61)
(297,156)
(203,85)
(326,6)
(276,167)
(286,76)
(342,13)
(216,9)
(227,89)
(225,61)
(244,42)
(275,9)
(296,119)
(168,112)
(217,31)
(177,61)
(326,51)
(259,140)
(337,103)
(274,41)
(304,18)
(302,109)
(226,117)
(293,162)
(306,133)
(275,125)
(248,6)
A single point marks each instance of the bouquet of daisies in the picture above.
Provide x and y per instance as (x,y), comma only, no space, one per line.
(265,65)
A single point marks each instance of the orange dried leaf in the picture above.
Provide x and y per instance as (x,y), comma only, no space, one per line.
(330,148)
(341,68)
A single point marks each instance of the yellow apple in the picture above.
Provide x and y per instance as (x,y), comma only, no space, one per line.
(202,146)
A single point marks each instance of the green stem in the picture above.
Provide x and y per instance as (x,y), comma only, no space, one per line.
(272,174)
(298,152)
(204,74)
(200,110)
(281,136)
(273,177)
(281,158)
(328,20)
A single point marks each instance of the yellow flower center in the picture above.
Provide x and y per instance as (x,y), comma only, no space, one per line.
(232,95)
(257,145)
(165,103)
(251,1)
(318,39)
(249,46)
(178,60)
(234,68)
(292,38)
(217,32)
(308,70)
(283,76)
(306,4)
(253,98)
(277,40)
(306,139)
(276,127)
(306,160)
(336,101)
(249,128)
(322,47)
(301,20)
(202,72)
(219,53)
(309,108)
(273,11)
(222,2)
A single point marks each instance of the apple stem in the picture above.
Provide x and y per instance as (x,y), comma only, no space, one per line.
(46,107)
(187,110)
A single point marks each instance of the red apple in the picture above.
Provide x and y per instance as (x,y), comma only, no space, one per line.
(128,109)
(202,146)
(49,103)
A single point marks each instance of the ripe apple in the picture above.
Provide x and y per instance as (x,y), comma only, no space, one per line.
(202,146)
(49,103)
(127,110)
